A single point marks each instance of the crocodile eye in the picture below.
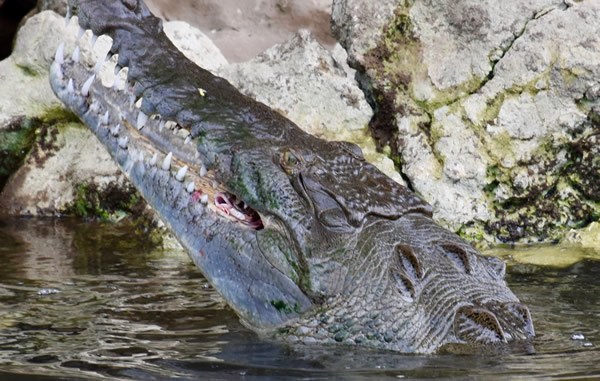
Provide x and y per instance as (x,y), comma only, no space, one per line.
(289,162)
(458,256)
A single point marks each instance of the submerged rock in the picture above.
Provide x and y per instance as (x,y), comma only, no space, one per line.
(491,107)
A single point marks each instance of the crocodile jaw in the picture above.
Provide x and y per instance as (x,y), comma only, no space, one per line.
(170,175)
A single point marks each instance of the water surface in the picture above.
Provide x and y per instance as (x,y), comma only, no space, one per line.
(92,301)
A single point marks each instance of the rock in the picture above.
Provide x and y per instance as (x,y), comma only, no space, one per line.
(195,45)
(495,107)
(312,87)
(64,157)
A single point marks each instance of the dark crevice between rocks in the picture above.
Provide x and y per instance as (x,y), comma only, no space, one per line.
(11,14)
(382,96)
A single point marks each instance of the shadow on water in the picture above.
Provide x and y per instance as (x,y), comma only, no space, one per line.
(85,300)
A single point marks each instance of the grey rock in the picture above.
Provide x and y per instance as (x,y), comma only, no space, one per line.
(491,101)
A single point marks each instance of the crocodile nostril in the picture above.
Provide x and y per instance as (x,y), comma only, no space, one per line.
(478,325)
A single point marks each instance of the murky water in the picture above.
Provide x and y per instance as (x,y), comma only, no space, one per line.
(87,301)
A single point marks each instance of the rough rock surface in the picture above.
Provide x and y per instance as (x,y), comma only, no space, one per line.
(313,87)
(491,107)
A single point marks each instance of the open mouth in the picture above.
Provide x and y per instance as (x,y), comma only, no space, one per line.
(107,98)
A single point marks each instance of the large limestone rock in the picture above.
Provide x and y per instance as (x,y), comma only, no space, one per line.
(491,107)
(313,87)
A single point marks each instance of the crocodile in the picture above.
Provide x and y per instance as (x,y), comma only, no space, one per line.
(304,239)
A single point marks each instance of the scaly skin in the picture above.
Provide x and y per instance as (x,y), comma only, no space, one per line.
(345,255)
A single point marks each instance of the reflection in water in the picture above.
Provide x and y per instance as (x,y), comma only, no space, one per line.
(91,301)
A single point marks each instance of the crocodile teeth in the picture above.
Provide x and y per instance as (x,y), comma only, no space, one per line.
(95,107)
(153,160)
(203,171)
(104,119)
(181,173)
(141,120)
(204,199)
(115,130)
(190,187)
(138,103)
(85,89)
(170,124)
(75,55)
(100,63)
(188,139)
(70,87)
(123,142)
(117,84)
(167,162)
(60,54)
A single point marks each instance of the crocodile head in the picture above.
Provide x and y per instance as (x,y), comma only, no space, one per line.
(302,237)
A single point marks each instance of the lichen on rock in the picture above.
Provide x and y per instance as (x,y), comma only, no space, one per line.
(488,107)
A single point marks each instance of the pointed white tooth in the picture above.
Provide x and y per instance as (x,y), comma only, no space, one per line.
(85,89)
(95,107)
(203,171)
(115,130)
(75,55)
(70,87)
(190,187)
(170,124)
(104,119)
(181,173)
(141,120)
(138,103)
(123,142)
(161,125)
(98,65)
(204,199)
(167,162)
(188,139)
(153,160)
(60,54)
(117,84)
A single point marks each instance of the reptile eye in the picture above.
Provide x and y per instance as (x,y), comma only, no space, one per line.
(289,162)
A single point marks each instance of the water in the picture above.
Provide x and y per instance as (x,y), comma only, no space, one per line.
(87,301)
